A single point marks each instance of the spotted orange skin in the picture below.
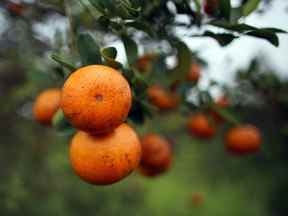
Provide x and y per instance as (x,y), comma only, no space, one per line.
(161,98)
(46,105)
(194,73)
(200,126)
(223,102)
(96,99)
(106,158)
(156,155)
(243,139)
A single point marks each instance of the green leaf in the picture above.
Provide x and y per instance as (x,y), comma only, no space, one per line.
(125,9)
(93,7)
(250,6)
(267,35)
(198,6)
(131,49)
(227,115)
(88,49)
(139,84)
(63,62)
(119,8)
(236,14)
(139,110)
(205,98)
(242,28)
(142,26)
(128,74)
(132,9)
(184,56)
(99,5)
(274,30)
(109,54)
(136,114)
(59,71)
(225,9)
(223,39)
(61,124)
(233,27)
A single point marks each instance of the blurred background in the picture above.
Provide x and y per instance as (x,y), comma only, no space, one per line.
(35,174)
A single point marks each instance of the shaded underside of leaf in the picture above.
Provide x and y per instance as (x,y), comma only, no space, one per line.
(88,49)
(222,38)
(184,57)
(131,49)
(267,35)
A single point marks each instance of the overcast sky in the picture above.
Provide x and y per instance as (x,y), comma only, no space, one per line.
(239,53)
(223,61)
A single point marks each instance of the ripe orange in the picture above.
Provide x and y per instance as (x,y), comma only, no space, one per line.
(199,125)
(161,98)
(223,102)
(194,73)
(156,155)
(15,8)
(211,7)
(46,105)
(105,158)
(243,139)
(144,63)
(96,99)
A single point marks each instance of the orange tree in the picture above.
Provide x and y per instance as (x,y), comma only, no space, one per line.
(97,99)
(259,97)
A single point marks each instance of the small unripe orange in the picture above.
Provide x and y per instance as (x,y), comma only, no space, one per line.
(243,139)
(144,63)
(15,9)
(161,98)
(201,126)
(156,155)
(46,105)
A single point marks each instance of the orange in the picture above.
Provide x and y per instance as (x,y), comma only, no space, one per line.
(161,98)
(243,139)
(96,99)
(144,63)
(106,158)
(156,155)
(211,7)
(200,125)
(223,102)
(46,105)
(194,73)
(15,9)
